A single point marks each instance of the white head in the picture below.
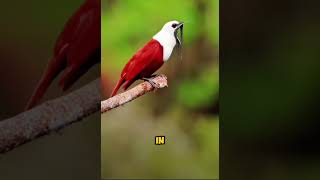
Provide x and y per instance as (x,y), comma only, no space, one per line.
(167,37)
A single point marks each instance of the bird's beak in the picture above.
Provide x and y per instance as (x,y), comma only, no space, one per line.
(180,26)
(179,41)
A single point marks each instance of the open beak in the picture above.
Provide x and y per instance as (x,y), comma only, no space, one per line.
(180,26)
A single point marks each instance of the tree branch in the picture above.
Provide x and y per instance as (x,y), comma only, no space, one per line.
(49,116)
(58,113)
(127,96)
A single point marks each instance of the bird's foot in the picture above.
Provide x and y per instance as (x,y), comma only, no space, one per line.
(154,85)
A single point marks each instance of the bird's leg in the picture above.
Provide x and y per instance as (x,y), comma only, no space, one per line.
(154,85)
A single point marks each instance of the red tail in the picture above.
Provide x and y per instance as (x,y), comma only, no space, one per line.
(115,90)
(54,68)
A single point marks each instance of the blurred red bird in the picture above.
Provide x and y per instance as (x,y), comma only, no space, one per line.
(76,50)
(151,57)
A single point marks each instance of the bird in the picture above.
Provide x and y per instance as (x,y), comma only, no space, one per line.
(151,57)
(76,50)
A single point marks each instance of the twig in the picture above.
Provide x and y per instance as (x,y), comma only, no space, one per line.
(50,116)
(127,96)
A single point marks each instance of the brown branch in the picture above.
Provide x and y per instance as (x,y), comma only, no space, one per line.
(127,96)
(50,116)
(58,113)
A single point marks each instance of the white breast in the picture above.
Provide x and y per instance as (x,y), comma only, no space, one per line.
(167,41)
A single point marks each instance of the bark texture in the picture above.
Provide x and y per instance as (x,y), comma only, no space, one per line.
(127,96)
(58,113)
(49,116)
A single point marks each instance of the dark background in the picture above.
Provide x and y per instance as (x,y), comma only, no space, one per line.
(269,93)
(28,31)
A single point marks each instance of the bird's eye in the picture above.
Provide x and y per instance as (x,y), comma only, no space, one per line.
(174,25)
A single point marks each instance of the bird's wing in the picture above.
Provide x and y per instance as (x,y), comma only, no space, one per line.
(81,34)
(85,44)
(86,36)
(151,52)
(79,21)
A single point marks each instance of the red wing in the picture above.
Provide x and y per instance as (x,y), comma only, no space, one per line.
(84,44)
(149,53)
(79,39)
(78,23)
(86,38)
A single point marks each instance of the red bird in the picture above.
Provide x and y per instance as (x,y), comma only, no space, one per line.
(76,50)
(151,57)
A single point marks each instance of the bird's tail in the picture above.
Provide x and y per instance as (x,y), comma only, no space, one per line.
(115,90)
(55,66)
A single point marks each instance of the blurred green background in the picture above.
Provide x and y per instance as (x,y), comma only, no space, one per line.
(186,112)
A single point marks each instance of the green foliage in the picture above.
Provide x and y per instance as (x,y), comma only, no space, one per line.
(199,91)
